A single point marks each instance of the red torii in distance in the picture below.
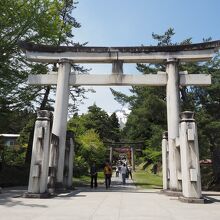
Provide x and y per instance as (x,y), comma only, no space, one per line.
(126,147)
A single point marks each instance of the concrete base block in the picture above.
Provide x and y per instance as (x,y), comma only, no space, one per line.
(191,200)
(36,195)
(172,193)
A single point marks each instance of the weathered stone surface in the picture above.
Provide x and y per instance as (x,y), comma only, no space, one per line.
(40,154)
(190,167)
(140,49)
(191,200)
(36,195)
(165,160)
(119,79)
(60,114)
(172,193)
(173,112)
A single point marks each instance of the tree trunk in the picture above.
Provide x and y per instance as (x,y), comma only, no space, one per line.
(45,99)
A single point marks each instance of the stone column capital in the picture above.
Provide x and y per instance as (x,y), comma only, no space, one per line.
(64,60)
(165,135)
(172,60)
(187,116)
(44,115)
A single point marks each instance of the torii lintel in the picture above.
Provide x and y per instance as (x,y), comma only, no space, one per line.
(141,54)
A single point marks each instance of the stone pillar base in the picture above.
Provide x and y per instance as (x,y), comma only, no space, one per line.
(172,193)
(59,187)
(52,191)
(70,187)
(162,191)
(191,200)
(36,195)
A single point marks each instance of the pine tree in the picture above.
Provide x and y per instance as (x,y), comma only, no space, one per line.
(148,107)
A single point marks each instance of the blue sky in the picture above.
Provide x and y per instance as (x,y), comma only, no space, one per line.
(131,23)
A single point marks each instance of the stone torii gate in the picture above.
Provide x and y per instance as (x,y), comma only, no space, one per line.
(172,79)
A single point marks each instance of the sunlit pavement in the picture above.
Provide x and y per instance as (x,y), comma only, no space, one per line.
(124,202)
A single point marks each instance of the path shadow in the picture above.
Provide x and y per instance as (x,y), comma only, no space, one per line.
(11,197)
(11,203)
(209,199)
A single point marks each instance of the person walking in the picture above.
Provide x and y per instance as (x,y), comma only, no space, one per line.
(130,171)
(108,174)
(117,171)
(123,173)
(93,174)
(154,169)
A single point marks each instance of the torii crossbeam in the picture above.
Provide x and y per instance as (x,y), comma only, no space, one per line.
(143,54)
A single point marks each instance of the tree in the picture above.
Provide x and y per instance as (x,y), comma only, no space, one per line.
(41,22)
(96,118)
(115,127)
(148,107)
(38,21)
(99,120)
(92,148)
(91,131)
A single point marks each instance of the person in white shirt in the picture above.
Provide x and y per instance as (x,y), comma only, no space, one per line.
(123,173)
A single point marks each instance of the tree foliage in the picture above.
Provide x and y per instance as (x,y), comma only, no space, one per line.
(92,130)
(91,147)
(37,21)
(148,106)
(107,127)
(40,22)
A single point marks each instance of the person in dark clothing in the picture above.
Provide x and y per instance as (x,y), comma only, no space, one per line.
(129,172)
(93,174)
(154,169)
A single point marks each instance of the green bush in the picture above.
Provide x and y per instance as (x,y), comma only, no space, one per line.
(14,176)
(13,156)
(80,166)
(208,178)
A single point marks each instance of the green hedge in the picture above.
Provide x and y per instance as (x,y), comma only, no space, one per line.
(14,176)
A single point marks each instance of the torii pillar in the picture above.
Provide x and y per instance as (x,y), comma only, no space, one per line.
(60,115)
(173,112)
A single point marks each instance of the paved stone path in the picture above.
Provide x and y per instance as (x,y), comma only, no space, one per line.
(118,203)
